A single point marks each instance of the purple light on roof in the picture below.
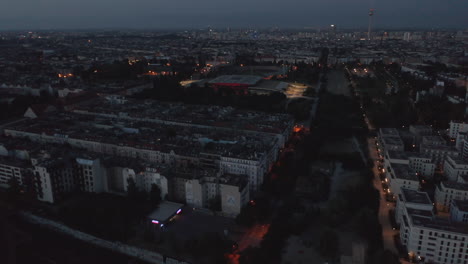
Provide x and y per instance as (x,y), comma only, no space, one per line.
(155,222)
(178,211)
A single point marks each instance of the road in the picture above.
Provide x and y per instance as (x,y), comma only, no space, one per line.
(253,236)
(387,230)
(384,208)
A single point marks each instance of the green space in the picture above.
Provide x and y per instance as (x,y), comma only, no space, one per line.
(330,223)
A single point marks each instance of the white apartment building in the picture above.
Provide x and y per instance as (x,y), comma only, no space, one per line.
(433,140)
(233,190)
(422,165)
(91,175)
(447,191)
(417,163)
(10,168)
(462,144)
(457,127)
(459,211)
(254,165)
(144,179)
(390,139)
(411,199)
(419,131)
(55,179)
(429,238)
(400,176)
(455,168)
(395,157)
(438,153)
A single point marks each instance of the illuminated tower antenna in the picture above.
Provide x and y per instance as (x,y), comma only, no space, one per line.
(369,31)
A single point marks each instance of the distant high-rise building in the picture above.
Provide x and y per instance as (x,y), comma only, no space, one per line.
(369,30)
(407,36)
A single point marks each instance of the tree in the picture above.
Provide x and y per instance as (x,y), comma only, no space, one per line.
(215,203)
(384,257)
(155,195)
(14,188)
(132,190)
(329,243)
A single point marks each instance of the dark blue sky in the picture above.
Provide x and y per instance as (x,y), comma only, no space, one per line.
(62,14)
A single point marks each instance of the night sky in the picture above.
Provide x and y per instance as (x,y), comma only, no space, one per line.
(146,14)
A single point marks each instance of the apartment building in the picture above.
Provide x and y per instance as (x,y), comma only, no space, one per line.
(236,152)
(454,168)
(411,199)
(19,169)
(457,127)
(459,211)
(430,238)
(390,139)
(232,190)
(448,191)
(438,153)
(400,176)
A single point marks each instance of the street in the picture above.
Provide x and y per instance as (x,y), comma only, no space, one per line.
(385,207)
(253,236)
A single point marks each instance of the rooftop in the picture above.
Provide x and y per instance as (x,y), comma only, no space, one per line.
(165,211)
(236,79)
(392,154)
(392,140)
(167,138)
(454,185)
(426,219)
(413,196)
(192,115)
(402,171)
(388,132)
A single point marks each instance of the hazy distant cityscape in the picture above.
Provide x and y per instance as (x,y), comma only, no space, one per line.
(180,142)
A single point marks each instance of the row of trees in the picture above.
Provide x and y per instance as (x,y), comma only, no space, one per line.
(111,217)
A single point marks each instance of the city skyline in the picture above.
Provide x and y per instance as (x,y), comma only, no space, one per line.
(143,14)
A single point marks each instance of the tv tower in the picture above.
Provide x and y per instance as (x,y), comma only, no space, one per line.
(369,31)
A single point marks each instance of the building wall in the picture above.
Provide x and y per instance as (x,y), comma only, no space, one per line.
(435,245)
(457,215)
(423,166)
(255,168)
(438,155)
(453,170)
(9,171)
(395,184)
(193,190)
(232,199)
(456,127)
(444,195)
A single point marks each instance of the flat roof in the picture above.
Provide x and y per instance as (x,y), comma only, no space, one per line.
(413,196)
(165,211)
(392,140)
(389,132)
(271,85)
(402,171)
(455,185)
(421,127)
(241,79)
(434,139)
(393,154)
